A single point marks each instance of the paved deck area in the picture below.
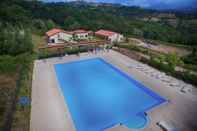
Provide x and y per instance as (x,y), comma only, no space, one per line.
(49,111)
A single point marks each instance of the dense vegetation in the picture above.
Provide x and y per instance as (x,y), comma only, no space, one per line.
(127,20)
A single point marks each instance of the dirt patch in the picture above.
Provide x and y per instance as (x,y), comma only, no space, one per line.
(159,47)
(171,49)
(132,54)
(7,90)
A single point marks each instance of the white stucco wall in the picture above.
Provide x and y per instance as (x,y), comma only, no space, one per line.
(120,38)
(65,36)
(59,37)
(116,38)
(55,38)
(82,35)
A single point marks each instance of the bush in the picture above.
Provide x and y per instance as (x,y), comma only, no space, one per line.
(10,63)
(187,77)
(161,65)
(25,59)
(7,64)
(190,59)
(73,50)
(43,54)
(190,67)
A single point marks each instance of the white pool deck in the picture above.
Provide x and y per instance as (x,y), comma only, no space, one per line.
(50,113)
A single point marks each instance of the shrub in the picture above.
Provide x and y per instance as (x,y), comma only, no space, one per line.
(73,50)
(10,63)
(186,76)
(173,60)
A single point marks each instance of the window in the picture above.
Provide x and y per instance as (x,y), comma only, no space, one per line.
(52,41)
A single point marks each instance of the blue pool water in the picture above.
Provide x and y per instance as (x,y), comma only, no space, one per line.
(100,96)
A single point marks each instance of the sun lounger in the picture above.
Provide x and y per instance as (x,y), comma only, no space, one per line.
(186,89)
(143,69)
(148,71)
(159,76)
(130,66)
(174,84)
(166,127)
(153,74)
(166,79)
(139,67)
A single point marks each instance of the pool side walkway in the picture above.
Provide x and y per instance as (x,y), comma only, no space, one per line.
(50,113)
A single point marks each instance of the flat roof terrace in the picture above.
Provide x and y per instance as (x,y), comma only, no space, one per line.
(49,111)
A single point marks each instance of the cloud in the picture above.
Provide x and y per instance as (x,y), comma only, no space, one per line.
(144,3)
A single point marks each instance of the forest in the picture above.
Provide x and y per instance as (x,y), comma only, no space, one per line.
(39,17)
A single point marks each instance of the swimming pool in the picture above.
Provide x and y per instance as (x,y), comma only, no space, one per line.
(100,96)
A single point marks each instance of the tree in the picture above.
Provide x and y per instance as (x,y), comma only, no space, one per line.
(68,21)
(194,50)
(74,25)
(50,24)
(40,24)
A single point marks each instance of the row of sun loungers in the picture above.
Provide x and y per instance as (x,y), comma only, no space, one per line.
(168,80)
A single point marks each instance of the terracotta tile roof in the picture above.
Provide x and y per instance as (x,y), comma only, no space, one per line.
(80,31)
(105,33)
(68,32)
(55,31)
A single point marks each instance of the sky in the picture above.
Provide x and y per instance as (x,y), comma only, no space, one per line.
(156,4)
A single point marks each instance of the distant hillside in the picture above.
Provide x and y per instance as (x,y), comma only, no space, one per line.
(188,5)
(170,26)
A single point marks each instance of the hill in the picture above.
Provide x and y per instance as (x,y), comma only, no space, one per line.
(169,26)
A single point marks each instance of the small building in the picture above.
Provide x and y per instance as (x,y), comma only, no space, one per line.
(82,34)
(109,35)
(55,36)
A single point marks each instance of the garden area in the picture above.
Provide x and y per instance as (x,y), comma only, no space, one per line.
(15,83)
(16,64)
